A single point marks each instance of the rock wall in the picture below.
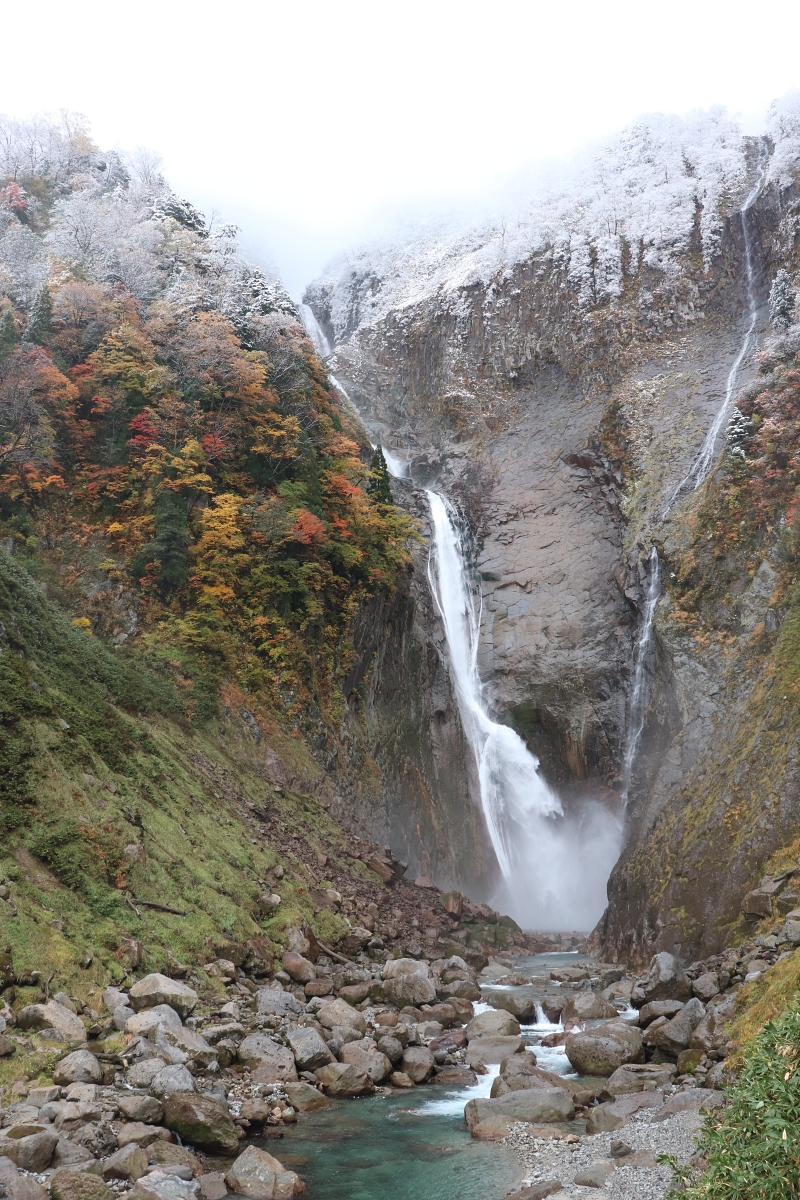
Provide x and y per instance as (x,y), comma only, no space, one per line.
(561,430)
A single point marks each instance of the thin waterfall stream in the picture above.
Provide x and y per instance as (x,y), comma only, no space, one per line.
(553,865)
(640,695)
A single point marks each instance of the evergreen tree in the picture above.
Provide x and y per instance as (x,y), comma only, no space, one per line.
(170,547)
(781,300)
(738,434)
(378,486)
(8,333)
(38,325)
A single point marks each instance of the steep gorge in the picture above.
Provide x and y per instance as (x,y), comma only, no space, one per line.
(560,416)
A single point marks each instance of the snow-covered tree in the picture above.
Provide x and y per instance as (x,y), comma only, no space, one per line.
(781,300)
(737,434)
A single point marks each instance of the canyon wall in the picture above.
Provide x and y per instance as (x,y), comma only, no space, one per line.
(561,427)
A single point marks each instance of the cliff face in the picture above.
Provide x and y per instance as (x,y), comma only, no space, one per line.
(561,427)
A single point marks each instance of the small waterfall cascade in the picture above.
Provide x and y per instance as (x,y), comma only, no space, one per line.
(554,867)
(314,331)
(643,653)
(701,467)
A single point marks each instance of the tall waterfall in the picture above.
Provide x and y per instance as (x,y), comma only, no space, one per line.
(314,331)
(640,696)
(554,867)
(700,468)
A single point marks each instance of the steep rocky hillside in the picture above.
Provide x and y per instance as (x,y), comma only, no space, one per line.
(556,375)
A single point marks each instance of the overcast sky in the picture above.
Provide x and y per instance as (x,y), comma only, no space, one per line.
(314,124)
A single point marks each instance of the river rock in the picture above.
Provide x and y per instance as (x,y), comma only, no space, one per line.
(30,1147)
(259,1176)
(202,1121)
(587,1006)
(364,1056)
(658,1008)
(706,986)
(454,1077)
(600,1051)
(595,1175)
(674,1035)
(79,1067)
(666,980)
(339,1012)
(138,1133)
(492,1129)
(399,1079)
(172,1079)
(67,1025)
(276,1002)
(146,1023)
(318,987)
(163,1185)
(522,1007)
(160,989)
(141,1074)
(392,1048)
(140,1108)
(634,1077)
(78,1185)
(308,1048)
(305,1098)
(492,1024)
(530,1105)
(409,989)
(68,1153)
(298,968)
(709,1034)
(268,1060)
(130,1162)
(341,1080)
(484,1051)
(692,1100)
(418,1063)
(605,1118)
(165,1154)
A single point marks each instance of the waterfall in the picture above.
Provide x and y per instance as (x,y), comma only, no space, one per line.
(700,468)
(553,867)
(640,696)
(321,343)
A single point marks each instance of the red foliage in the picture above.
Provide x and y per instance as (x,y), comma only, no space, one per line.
(308,530)
(143,432)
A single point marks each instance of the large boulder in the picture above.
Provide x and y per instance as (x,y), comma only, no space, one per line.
(78,1185)
(532,1105)
(709,1034)
(172,1079)
(190,1043)
(267,1059)
(160,989)
(259,1176)
(676,1034)
(666,980)
(395,967)
(137,1133)
(341,1080)
(273,1001)
(692,1100)
(162,1184)
(201,1121)
(30,1147)
(635,1077)
(79,1067)
(298,968)
(521,1006)
(418,1063)
(128,1163)
(492,1024)
(601,1050)
(135,1107)
(364,1056)
(305,1098)
(308,1048)
(339,1012)
(55,1016)
(605,1118)
(484,1051)
(409,989)
(658,1008)
(587,1006)
(146,1023)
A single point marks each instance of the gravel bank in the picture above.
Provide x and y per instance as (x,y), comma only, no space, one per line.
(546,1158)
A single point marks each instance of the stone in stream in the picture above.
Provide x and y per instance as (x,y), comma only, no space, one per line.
(492,1024)
(418,1063)
(342,1080)
(201,1121)
(79,1067)
(213,1186)
(305,1098)
(399,1079)
(588,1006)
(492,1129)
(666,980)
(520,1006)
(570,974)
(160,989)
(520,1071)
(455,1077)
(531,1105)
(603,1049)
(259,1176)
(364,1056)
(605,1118)
(484,1051)
(675,1035)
